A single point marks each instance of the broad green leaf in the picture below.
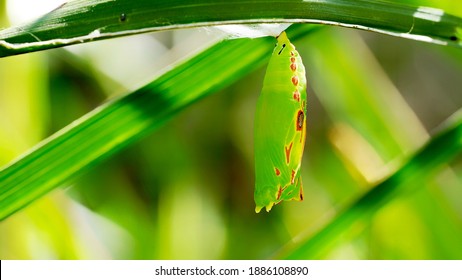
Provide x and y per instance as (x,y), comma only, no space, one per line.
(82,20)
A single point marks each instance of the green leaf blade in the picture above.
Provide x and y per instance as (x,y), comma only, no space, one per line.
(83,21)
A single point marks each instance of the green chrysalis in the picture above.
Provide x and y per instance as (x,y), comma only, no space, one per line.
(280,128)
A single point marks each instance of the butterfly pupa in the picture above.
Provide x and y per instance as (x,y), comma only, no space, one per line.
(280,128)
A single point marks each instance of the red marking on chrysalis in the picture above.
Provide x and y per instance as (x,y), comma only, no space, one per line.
(277,171)
(297,95)
(301,195)
(295,80)
(292,59)
(292,177)
(292,53)
(288,150)
(300,120)
(293,67)
(279,193)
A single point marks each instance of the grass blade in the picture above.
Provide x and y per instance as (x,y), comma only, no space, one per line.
(82,21)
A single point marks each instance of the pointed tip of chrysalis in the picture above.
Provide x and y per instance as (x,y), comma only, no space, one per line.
(282,36)
(267,207)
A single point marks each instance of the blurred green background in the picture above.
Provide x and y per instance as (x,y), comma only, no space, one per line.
(186,191)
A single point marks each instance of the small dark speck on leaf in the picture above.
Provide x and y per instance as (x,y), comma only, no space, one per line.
(123,17)
(453,38)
